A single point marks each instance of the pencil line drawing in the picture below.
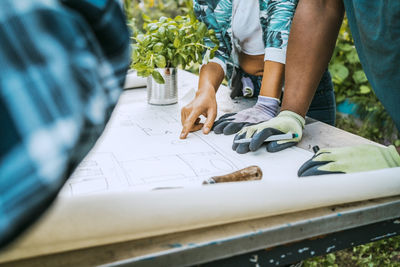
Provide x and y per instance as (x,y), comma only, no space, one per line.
(215,148)
(98,172)
(124,159)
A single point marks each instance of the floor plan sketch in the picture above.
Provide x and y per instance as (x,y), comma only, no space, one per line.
(175,170)
(140,149)
(98,172)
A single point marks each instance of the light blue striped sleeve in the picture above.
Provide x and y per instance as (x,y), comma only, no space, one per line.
(217,15)
(276,18)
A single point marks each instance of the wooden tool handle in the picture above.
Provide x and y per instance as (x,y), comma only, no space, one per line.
(247,174)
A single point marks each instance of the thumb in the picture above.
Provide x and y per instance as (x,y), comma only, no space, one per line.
(211,115)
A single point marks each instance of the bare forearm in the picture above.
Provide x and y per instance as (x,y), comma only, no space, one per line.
(311,42)
(211,76)
(271,84)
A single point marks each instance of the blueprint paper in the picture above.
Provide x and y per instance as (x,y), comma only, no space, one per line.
(98,219)
(111,198)
(141,150)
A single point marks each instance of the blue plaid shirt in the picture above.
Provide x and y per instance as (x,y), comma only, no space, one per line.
(63,64)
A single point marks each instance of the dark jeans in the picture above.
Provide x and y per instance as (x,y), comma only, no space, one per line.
(323,105)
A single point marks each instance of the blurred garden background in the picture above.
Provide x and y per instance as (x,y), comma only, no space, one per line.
(359,112)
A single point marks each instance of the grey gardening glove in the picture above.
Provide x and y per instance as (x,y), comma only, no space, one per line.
(265,109)
(286,121)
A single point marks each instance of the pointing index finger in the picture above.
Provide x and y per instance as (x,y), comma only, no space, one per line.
(188,124)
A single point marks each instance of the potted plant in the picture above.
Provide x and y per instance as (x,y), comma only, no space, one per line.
(165,45)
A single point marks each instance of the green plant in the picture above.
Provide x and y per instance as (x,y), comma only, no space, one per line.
(170,43)
(385,252)
(134,9)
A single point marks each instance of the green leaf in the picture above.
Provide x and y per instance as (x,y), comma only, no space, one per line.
(364,89)
(135,54)
(139,37)
(163,19)
(154,40)
(352,56)
(340,98)
(141,73)
(140,66)
(157,77)
(160,61)
(199,56)
(161,32)
(212,52)
(397,142)
(177,42)
(152,27)
(171,36)
(172,28)
(146,40)
(182,33)
(331,258)
(183,56)
(169,53)
(181,60)
(359,77)
(339,72)
(201,30)
(346,47)
(175,62)
(146,18)
(214,40)
(158,47)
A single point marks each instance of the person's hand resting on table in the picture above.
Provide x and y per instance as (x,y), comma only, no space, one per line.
(286,121)
(265,109)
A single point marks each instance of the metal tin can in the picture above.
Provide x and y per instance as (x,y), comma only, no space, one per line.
(163,94)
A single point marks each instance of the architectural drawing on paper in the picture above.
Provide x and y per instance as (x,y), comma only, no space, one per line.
(98,172)
(174,168)
(142,150)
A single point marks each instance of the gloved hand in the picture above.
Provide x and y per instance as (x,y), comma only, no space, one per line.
(350,159)
(286,121)
(265,109)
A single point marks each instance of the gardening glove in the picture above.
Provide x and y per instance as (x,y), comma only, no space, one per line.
(350,159)
(286,121)
(265,109)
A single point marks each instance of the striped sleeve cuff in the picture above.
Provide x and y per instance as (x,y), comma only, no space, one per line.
(215,60)
(275,54)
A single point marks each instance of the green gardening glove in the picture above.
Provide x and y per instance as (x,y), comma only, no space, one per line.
(286,121)
(350,159)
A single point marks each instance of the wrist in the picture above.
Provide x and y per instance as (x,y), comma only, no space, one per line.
(206,91)
(300,111)
(294,116)
(267,105)
(268,99)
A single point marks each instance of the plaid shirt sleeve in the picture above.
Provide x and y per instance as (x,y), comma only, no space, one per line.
(63,64)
